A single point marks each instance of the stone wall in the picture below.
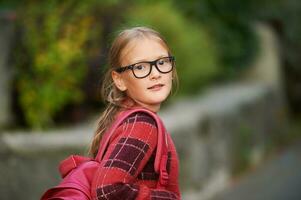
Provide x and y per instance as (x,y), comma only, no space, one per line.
(222,133)
(216,135)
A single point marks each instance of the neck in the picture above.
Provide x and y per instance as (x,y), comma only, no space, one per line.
(131,103)
(154,108)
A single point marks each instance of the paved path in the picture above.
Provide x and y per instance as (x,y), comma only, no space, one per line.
(278,179)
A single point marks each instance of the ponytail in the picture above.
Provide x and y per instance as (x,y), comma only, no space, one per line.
(103,122)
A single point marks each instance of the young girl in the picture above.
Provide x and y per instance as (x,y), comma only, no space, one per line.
(141,74)
(133,157)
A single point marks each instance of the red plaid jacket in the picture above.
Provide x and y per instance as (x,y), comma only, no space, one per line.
(127,169)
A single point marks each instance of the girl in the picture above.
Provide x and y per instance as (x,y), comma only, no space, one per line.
(141,73)
(136,158)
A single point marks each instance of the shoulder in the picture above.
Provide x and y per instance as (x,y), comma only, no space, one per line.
(140,117)
(138,126)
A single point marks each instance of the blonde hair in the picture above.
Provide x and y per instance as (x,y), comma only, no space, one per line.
(112,96)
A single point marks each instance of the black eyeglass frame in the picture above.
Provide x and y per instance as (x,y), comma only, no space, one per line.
(154,62)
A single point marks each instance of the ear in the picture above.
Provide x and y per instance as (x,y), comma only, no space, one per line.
(118,81)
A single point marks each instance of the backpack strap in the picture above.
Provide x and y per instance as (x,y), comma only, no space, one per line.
(70,163)
(162,145)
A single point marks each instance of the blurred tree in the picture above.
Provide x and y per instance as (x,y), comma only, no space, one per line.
(51,56)
(51,62)
(229,22)
(6,4)
(63,44)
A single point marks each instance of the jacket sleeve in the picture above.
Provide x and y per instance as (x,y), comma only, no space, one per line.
(129,152)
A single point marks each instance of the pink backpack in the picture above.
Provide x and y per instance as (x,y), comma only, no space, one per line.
(78,171)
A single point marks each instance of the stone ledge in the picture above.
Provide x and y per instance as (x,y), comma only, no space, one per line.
(208,132)
(221,99)
(49,140)
(187,112)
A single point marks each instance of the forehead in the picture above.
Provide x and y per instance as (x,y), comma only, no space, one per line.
(143,49)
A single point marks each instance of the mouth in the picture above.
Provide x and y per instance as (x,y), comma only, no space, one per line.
(156,86)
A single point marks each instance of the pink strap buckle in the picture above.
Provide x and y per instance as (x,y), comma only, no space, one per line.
(163,172)
(163,177)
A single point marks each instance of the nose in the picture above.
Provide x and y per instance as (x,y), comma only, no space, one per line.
(155,72)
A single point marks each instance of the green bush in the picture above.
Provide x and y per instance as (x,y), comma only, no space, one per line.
(193,48)
(230,24)
(50,58)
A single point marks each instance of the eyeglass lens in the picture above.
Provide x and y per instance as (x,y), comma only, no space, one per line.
(143,69)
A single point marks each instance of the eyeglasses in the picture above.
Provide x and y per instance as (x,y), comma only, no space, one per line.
(143,69)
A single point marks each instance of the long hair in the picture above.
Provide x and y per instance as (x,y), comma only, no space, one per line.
(112,96)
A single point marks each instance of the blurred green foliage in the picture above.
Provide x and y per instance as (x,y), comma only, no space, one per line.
(51,58)
(190,43)
(211,39)
(230,23)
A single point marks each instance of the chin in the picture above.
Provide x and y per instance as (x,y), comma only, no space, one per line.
(158,100)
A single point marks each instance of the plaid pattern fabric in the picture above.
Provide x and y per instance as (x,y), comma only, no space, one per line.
(162,195)
(148,172)
(127,155)
(117,191)
(127,170)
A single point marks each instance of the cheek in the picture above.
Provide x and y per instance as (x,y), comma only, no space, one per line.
(169,79)
(134,86)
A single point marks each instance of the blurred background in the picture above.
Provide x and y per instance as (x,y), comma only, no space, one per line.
(235,120)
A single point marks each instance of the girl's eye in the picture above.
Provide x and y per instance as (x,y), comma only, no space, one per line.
(161,62)
(164,61)
(138,67)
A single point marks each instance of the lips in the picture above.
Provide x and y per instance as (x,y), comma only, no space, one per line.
(155,86)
